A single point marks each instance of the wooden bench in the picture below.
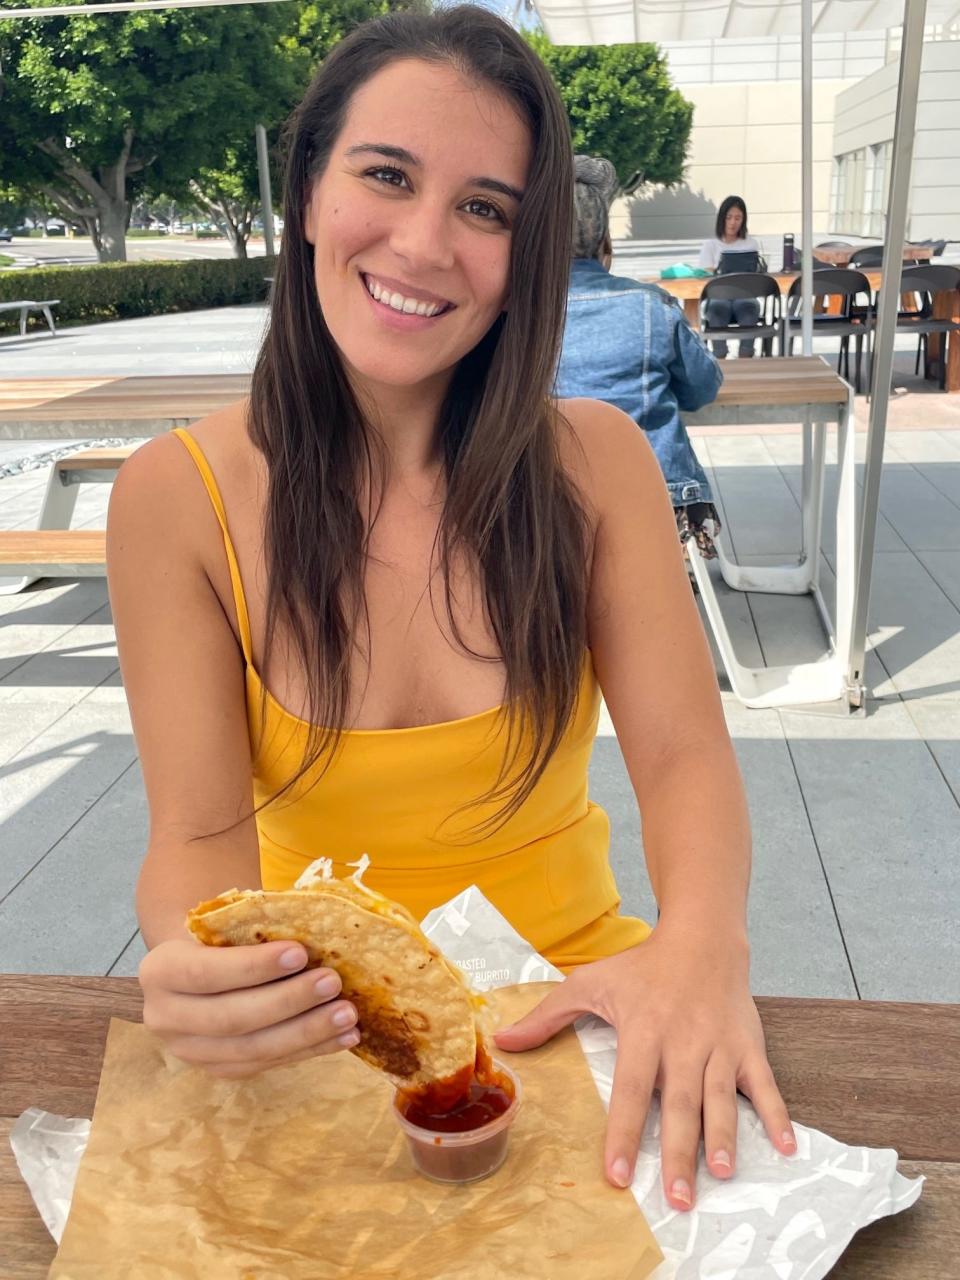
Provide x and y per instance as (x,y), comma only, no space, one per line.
(52,549)
(53,553)
(26,307)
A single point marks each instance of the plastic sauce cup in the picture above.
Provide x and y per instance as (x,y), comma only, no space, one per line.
(462,1157)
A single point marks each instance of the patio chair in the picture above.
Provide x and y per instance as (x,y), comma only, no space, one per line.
(857,324)
(871,256)
(923,282)
(741,285)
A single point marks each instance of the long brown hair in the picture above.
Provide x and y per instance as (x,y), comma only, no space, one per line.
(509,505)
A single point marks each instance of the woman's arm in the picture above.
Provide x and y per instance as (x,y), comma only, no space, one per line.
(220,1008)
(695,376)
(183,676)
(680,1002)
(708,255)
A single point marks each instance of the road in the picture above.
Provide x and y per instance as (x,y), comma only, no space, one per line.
(59,251)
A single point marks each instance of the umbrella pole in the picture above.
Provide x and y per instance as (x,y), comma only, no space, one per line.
(806,194)
(911,54)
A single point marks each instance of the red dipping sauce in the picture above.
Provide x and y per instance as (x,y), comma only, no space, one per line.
(467,1141)
(483,1103)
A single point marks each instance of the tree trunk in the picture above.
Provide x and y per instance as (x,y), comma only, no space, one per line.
(238,241)
(111,234)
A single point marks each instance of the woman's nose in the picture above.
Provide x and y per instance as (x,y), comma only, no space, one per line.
(423,236)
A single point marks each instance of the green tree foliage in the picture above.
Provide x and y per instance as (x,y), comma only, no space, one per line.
(227,186)
(622,105)
(93,109)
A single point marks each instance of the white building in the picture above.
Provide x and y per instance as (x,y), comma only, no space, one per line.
(746,137)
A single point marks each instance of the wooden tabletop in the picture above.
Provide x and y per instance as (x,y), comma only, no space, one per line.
(172,399)
(690,289)
(840,257)
(881,1075)
(787,380)
(186,398)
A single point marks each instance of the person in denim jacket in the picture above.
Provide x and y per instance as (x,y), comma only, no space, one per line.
(629,344)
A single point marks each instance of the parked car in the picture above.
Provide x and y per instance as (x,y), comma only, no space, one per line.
(55,228)
(6,234)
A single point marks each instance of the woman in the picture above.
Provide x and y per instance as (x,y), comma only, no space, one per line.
(731,233)
(628,343)
(370,608)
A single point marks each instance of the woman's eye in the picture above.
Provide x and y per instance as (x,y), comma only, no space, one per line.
(485,210)
(389,176)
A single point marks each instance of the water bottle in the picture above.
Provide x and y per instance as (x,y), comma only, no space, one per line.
(788,263)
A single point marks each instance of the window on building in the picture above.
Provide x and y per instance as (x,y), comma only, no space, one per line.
(858,196)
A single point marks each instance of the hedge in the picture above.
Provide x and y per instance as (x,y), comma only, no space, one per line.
(122,290)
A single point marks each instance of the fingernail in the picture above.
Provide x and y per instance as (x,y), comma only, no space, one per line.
(349,1040)
(327,987)
(788,1139)
(681,1191)
(295,958)
(345,1017)
(620,1172)
(722,1158)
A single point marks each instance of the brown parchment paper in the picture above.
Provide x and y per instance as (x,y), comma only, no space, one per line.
(303,1173)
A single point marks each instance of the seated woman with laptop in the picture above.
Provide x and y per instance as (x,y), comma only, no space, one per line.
(731,249)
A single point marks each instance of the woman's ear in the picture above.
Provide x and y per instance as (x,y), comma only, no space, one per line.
(309,216)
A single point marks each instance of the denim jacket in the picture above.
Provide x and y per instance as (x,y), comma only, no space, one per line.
(629,344)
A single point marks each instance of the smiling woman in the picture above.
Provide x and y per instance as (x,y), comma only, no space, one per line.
(371,610)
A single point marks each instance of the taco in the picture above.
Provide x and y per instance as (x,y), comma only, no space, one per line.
(418,1020)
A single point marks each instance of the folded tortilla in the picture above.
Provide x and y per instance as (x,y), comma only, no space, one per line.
(419,1022)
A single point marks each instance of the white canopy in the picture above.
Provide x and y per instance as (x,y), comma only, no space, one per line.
(630,21)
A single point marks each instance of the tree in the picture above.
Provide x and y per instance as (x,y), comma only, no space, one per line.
(228,187)
(231,194)
(622,105)
(91,107)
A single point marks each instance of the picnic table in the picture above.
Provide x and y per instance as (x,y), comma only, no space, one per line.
(870,1073)
(77,408)
(796,389)
(946,306)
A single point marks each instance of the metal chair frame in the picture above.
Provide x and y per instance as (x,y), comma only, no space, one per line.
(855,323)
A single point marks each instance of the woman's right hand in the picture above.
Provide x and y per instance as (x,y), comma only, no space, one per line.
(236,1011)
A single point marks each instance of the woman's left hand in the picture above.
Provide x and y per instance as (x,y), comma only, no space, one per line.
(686,1025)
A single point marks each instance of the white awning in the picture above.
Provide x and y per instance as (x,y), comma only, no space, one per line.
(629,21)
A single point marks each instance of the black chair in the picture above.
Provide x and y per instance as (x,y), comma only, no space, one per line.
(936,247)
(870,255)
(923,282)
(754,285)
(832,282)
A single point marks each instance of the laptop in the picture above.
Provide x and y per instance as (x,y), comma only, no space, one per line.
(733,260)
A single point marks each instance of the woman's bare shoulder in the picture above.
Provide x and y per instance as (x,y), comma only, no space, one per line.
(163,474)
(604,452)
(159,484)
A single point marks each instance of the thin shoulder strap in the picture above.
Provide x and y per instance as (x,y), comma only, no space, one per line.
(213,492)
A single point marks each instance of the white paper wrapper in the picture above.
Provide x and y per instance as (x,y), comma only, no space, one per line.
(47,1149)
(777,1219)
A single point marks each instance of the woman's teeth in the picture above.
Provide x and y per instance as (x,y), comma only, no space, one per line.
(409,306)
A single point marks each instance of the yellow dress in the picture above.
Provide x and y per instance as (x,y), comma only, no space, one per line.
(398,796)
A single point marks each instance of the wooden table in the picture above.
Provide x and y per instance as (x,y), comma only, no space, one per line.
(841,257)
(72,408)
(802,389)
(946,306)
(872,1074)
